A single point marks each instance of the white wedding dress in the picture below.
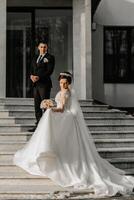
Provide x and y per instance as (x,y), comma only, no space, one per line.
(62,149)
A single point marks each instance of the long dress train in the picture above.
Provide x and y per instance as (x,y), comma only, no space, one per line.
(62,149)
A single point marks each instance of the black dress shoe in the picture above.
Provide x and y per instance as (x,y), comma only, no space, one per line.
(32,130)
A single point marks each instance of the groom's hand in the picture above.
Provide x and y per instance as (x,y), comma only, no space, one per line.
(34,78)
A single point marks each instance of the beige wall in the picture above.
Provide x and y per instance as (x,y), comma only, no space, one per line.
(82,48)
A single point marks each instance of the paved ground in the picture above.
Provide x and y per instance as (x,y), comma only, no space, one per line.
(86,197)
(69,196)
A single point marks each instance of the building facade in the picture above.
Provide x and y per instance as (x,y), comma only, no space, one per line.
(94,40)
(64,24)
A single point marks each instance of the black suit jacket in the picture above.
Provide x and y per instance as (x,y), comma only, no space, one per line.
(43,69)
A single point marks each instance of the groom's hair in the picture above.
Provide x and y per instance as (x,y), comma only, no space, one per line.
(68,76)
(42,42)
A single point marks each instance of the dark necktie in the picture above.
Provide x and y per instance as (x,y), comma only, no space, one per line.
(40,58)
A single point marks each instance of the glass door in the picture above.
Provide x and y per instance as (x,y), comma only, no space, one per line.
(18,54)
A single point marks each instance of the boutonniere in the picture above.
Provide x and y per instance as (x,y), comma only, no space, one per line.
(45,60)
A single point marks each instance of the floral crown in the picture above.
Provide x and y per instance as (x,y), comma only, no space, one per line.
(65,74)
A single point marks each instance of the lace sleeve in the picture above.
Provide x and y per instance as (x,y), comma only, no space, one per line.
(64,96)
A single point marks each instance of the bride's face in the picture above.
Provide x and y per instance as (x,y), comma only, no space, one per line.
(64,84)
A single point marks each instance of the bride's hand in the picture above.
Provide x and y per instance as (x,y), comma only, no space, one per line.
(49,106)
(54,109)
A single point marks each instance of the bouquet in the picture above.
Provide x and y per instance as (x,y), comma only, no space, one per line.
(46,103)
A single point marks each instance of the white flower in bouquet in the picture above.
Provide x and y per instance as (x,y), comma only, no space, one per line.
(46,103)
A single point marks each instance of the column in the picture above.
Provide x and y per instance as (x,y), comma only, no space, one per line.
(82,48)
(2,48)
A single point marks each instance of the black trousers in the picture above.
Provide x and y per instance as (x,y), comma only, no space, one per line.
(40,92)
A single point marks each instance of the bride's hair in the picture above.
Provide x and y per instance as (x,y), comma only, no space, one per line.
(66,75)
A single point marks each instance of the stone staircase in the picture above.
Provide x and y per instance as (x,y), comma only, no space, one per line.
(112,130)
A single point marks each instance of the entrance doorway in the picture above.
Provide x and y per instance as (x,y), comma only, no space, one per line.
(25,28)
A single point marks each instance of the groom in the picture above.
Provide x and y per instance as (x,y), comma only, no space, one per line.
(42,68)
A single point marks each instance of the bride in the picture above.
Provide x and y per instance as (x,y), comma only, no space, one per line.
(62,149)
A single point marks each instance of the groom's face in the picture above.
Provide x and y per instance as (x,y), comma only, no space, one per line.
(42,48)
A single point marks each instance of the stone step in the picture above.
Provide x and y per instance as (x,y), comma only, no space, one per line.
(31,107)
(112,134)
(110,120)
(107,113)
(17,113)
(94,108)
(23,186)
(33,196)
(89,120)
(6,157)
(92,127)
(86,102)
(31,104)
(118,152)
(17,172)
(106,152)
(100,143)
(58,195)
(129,172)
(11,168)
(123,163)
(11,171)
(33,190)
(14,172)
(29,100)
(7,162)
(15,137)
(28,181)
(25,133)
(104,143)
(16,175)
(26,113)
(16,100)
(25,120)
(8,127)
(110,127)
(18,107)
(7,120)
(8,166)
(17,120)
(27,104)
(11,146)
(24,136)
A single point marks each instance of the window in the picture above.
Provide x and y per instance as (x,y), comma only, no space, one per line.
(119,54)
